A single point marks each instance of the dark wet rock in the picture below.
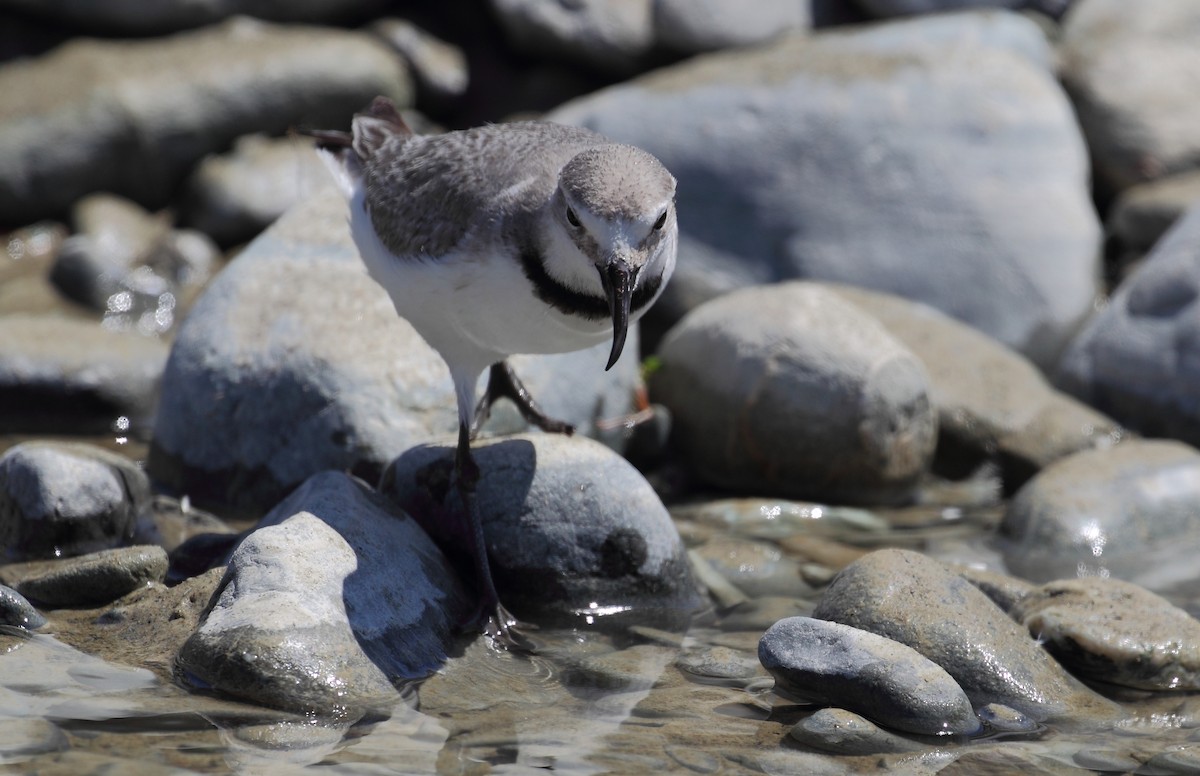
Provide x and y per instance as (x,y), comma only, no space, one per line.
(781,176)
(830,664)
(1004,590)
(1138,120)
(88,580)
(1135,358)
(235,195)
(915,600)
(61,499)
(998,718)
(693,26)
(788,389)
(1132,512)
(755,568)
(991,402)
(65,375)
(270,382)
(15,610)
(615,38)
(137,115)
(335,595)
(1115,632)
(1144,212)
(574,533)
(846,733)
(439,69)
(136,19)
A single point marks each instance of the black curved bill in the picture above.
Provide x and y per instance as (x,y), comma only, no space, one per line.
(617,279)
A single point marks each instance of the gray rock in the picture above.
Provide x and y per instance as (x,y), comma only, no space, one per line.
(1115,632)
(693,26)
(66,375)
(133,18)
(820,156)
(720,665)
(1138,120)
(235,195)
(910,598)
(96,578)
(846,733)
(325,358)
(790,390)
(439,69)
(998,718)
(335,595)
(16,611)
(1004,590)
(890,8)
(1134,360)
(136,115)
(831,664)
(1132,512)
(992,402)
(613,37)
(573,531)
(1145,211)
(59,499)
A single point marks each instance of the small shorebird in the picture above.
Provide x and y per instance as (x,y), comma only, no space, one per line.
(528,237)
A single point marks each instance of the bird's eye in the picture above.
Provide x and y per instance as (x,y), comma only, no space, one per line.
(661,222)
(572,218)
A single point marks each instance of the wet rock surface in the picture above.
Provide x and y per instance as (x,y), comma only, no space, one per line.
(1114,631)
(836,665)
(95,578)
(67,499)
(329,600)
(904,595)
(788,389)
(574,533)
(1108,512)
(16,610)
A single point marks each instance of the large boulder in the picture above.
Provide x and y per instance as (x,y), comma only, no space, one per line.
(902,157)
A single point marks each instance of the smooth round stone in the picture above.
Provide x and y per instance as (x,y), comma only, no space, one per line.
(1134,359)
(1144,212)
(992,402)
(1132,511)
(917,601)
(1115,632)
(15,610)
(574,533)
(790,390)
(60,499)
(1005,591)
(611,37)
(93,579)
(823,662)
(335,595)
(1108,760)
(1138,120)
(755,568)
(719,665)
(693,26)
(847,733)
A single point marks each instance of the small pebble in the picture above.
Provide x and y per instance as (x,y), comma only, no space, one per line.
(15,610)
(846,733)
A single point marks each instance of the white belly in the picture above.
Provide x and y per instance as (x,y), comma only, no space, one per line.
(474,309)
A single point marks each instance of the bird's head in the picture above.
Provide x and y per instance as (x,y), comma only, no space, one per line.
(616,204)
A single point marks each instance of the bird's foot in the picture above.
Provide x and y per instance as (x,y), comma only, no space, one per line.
(504,631)
(504,383)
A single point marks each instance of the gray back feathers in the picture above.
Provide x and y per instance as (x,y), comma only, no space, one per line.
(428,195)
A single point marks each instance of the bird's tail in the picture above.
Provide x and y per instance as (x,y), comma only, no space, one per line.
(345,152)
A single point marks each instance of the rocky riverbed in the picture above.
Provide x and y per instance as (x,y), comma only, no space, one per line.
(900,474)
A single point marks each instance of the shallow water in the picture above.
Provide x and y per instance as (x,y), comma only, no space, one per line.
(638,701)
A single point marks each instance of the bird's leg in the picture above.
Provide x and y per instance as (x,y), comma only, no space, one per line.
(504,383)
(498,623)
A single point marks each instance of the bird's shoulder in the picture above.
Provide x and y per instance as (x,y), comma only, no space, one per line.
(427,194)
